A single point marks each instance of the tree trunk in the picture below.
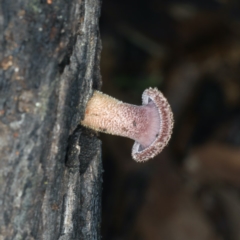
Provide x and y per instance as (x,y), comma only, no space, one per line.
(50,167)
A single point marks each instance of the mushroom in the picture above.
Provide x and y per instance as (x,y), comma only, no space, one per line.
(150,125)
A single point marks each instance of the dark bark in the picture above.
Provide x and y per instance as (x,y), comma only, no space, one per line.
(50,167)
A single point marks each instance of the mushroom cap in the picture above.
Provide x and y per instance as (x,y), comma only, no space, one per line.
(141,154)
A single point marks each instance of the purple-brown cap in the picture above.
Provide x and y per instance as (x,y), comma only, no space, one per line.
(165,126)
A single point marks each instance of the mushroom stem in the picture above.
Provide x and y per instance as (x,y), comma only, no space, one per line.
(108,115)
(149,125)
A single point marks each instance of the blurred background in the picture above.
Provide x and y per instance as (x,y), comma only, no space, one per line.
(190,50)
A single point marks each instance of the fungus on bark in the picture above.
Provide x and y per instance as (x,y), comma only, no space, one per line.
(150,125)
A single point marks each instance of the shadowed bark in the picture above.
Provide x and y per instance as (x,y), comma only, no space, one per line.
(50,167)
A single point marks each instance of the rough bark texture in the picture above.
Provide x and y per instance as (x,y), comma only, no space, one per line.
(50,167)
